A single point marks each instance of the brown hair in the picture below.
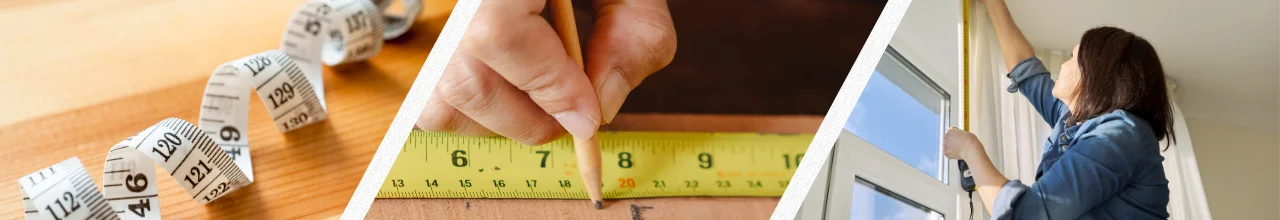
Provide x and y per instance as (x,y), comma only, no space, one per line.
(1119,70)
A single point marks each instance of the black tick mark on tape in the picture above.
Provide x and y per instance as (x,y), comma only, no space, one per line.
(481,170)
(635,211)
(496,169)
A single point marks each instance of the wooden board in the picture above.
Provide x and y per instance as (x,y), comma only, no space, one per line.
(58,56)
(651,208)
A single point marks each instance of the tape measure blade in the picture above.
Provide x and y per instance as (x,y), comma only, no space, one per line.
(64,191)
(224,113)
(208,172)
(636,165)
(398,25)
(130,179)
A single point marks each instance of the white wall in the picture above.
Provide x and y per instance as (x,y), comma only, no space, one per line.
(929,36)
(1239,168)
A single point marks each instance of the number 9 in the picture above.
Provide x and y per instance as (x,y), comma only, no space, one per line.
(229,133)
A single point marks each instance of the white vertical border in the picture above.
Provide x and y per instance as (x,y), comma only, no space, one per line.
(422,89)
(838,114)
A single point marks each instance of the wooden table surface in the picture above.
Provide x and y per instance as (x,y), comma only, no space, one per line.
(77,77)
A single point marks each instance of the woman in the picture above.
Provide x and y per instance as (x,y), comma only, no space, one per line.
(1109,110)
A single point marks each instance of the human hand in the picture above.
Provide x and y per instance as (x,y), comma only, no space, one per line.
(630,40)
(957,144)
(511,75)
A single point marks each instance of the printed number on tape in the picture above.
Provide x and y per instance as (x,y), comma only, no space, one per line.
(212,159)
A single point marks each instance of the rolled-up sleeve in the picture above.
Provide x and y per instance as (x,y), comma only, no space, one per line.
(1004,201)
(1087,175)
(1032,79)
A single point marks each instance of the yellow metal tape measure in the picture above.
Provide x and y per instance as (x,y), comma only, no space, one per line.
(964,35)
(636,164)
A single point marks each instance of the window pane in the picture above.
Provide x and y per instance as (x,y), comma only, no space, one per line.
(869,203)
(902,115)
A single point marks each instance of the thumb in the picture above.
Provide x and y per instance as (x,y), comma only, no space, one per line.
(630,40)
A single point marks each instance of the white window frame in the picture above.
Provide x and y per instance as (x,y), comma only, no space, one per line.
(854,158)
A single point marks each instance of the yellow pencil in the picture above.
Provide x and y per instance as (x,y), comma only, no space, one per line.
(588,151)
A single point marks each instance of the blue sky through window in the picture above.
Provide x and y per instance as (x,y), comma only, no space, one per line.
(889,118)
(871,204)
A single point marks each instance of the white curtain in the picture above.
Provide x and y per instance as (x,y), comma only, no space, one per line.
(1014,132)
(1186,192)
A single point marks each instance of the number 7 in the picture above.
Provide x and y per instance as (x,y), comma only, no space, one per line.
(544,157)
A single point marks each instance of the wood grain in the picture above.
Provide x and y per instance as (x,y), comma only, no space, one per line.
(650,208)
(307,173)
(58,56)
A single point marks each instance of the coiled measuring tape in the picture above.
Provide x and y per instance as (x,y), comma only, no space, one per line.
(212,159)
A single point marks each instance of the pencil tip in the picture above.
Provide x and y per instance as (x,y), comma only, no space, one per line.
(599,204)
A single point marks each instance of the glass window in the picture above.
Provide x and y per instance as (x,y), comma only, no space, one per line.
(873,202)
(903,113)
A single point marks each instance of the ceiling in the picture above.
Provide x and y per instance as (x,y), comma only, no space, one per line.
(1223,54)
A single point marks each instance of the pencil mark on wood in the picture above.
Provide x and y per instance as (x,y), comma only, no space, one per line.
(635,211)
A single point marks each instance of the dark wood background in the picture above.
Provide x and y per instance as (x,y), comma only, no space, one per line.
(754,57)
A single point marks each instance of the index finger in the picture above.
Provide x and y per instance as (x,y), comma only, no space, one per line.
(526,51)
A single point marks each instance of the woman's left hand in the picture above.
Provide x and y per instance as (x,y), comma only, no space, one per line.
(958,143)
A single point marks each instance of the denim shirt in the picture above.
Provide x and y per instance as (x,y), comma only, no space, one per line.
(1108,167)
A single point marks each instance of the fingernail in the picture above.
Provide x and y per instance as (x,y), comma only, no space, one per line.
(612,93)
(577,124)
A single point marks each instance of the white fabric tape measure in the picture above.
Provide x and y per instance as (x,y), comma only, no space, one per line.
(212,159)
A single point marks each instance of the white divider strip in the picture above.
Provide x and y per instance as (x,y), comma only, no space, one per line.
(829,130)
(422,89)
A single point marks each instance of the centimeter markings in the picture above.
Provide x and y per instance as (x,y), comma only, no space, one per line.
(87,192)
(69,194)
(211,151)
(311,101)
(635,164)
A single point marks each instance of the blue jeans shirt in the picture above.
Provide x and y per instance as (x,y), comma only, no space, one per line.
(1108,167)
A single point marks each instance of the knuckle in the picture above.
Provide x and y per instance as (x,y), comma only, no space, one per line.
(632,79)
(549,90)
(539,135)
(660,47)
(487,39)
(433,119)
(466,93)
(657,36)
(540,80)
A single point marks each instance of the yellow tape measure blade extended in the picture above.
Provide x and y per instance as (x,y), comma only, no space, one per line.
(635,165)
(964,63)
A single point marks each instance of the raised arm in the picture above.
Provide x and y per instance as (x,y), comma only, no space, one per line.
(1028,74)
(1013,45)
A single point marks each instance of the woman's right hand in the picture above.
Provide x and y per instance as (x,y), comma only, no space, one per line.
(512,76)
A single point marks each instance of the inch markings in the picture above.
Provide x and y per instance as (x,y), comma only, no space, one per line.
(635,165)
